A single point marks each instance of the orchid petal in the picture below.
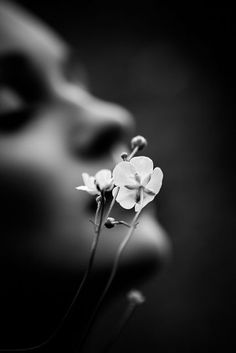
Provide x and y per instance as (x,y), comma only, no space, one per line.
(85,188)
(124,174)
(126,198)
(89,181)
(142,165)
(156,181)
(103,179)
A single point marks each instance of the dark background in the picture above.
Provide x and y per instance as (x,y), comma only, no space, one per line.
(175,70)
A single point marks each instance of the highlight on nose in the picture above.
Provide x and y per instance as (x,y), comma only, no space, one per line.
(103,127)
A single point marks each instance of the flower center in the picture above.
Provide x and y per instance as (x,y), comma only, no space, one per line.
(137,178)
(138,194)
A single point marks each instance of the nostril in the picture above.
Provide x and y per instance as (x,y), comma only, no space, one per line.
(101,142)
(102,126)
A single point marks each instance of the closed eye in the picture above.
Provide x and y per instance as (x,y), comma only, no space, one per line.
(22,87)
(18,73)
(15,120)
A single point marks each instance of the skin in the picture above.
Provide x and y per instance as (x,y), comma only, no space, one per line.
(57,130)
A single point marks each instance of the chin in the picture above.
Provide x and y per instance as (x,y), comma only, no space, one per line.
(148,250)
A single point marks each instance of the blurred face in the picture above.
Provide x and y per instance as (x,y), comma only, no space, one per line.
(51,131)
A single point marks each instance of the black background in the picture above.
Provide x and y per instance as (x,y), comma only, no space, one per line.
(174,68)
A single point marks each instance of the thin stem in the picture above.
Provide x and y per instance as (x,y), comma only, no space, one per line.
(124,223)
(100,209)
(112,275)
(96,216)
(124,321)
(112,204)
(135,150)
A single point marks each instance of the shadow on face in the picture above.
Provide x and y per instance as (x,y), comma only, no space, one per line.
(51,131)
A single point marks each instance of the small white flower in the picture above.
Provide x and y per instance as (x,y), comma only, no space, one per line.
(138,182)
(102,181)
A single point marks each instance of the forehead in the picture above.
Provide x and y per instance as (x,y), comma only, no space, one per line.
(21,32)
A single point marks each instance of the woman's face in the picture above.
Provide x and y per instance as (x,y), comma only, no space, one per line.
(51,131)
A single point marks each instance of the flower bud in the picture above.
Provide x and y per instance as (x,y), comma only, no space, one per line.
(124,156)
(138,141)
(110,222)
(135,297)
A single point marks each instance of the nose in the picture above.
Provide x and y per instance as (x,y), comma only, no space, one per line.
(105,126)
(99,125)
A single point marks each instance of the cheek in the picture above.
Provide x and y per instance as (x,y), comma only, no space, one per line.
(42,219)
(21,205)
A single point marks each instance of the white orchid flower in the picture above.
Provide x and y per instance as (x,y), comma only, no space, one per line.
(101,182)
(138,183)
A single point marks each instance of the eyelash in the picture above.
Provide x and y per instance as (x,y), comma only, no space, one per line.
(15,120)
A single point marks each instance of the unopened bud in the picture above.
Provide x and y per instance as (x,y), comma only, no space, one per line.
(110,222)
(135,297)
(138,141)
(124,156)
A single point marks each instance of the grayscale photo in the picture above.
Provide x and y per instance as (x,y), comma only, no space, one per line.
(117,226)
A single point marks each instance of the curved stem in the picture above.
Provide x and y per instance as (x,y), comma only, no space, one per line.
(112,204)
(135,150)
(111,278)
(100,209)
(96,216)
(124,223)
